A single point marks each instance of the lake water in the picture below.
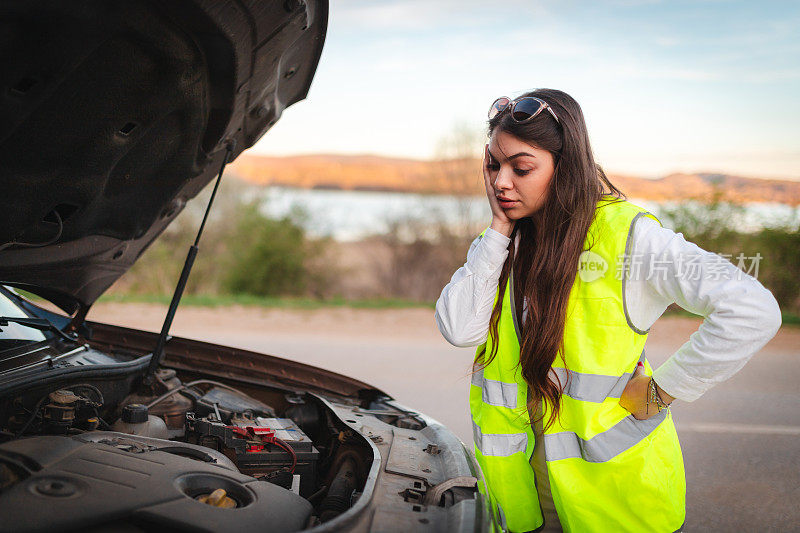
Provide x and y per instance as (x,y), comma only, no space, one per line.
(352,215)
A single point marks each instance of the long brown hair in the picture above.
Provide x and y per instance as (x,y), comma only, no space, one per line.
(550,241)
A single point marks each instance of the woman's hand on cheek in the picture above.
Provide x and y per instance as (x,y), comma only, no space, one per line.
(500,221)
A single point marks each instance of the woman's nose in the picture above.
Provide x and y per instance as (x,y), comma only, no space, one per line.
(503,180)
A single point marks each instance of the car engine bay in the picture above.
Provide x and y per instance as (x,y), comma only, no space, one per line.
(222,438)
(113,447)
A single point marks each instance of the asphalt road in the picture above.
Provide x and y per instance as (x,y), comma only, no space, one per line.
(741,440)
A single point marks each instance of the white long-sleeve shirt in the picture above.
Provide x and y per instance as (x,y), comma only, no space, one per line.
(740,314)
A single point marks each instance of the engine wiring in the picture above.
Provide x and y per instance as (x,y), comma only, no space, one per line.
(282,444)
(38,406)
(187,386)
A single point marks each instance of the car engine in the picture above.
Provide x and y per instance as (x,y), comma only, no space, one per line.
(115,454)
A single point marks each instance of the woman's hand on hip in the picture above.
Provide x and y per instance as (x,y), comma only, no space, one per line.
(500,221)
(634,398)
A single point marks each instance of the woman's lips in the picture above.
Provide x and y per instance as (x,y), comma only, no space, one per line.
(505,204)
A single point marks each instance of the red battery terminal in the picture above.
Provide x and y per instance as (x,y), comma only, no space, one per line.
(263,435)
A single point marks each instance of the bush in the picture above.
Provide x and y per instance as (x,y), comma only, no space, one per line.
(267,257)
(419,257)
(158,269)
(780,268)
(241,252)
(712,226)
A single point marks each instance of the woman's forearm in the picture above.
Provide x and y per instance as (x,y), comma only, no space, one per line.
(740,314)
(465,304)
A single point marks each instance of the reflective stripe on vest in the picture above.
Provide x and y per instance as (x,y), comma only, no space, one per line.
(565,445)
(592,387)
(577,385)
(603,446)
(496,392)
(498,444)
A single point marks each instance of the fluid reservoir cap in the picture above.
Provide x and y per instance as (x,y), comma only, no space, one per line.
(134,413)
(64,397)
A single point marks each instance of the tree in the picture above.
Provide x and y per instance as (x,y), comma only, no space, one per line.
(267,256)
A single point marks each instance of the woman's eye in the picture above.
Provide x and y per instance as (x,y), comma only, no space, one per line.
(493,166)
(521,172)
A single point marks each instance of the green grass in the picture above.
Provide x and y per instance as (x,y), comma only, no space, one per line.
(203,300)
(263,301)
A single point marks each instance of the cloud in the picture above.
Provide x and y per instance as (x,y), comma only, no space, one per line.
(438,15)
(414,15)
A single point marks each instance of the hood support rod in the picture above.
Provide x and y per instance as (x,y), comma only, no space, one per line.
(158,353)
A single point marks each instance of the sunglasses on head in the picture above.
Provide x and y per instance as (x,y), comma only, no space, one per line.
(523,109)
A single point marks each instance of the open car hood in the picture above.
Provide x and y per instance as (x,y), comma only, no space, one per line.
(114,114)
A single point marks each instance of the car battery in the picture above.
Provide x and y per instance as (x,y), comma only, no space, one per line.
(271,457)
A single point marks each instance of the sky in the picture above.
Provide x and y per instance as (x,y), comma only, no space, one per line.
(665,86)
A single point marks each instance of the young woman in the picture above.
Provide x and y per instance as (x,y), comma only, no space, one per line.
(571,425)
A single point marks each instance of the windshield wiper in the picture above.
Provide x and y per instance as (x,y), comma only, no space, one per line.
(42,324)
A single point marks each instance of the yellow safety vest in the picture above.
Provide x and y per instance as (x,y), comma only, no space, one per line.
(608,471)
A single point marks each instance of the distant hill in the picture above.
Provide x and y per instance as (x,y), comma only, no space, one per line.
(376,173)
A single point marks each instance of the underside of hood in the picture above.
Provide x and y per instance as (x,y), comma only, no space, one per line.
(114,114)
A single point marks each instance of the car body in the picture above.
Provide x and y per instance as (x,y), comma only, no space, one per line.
(115,115)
